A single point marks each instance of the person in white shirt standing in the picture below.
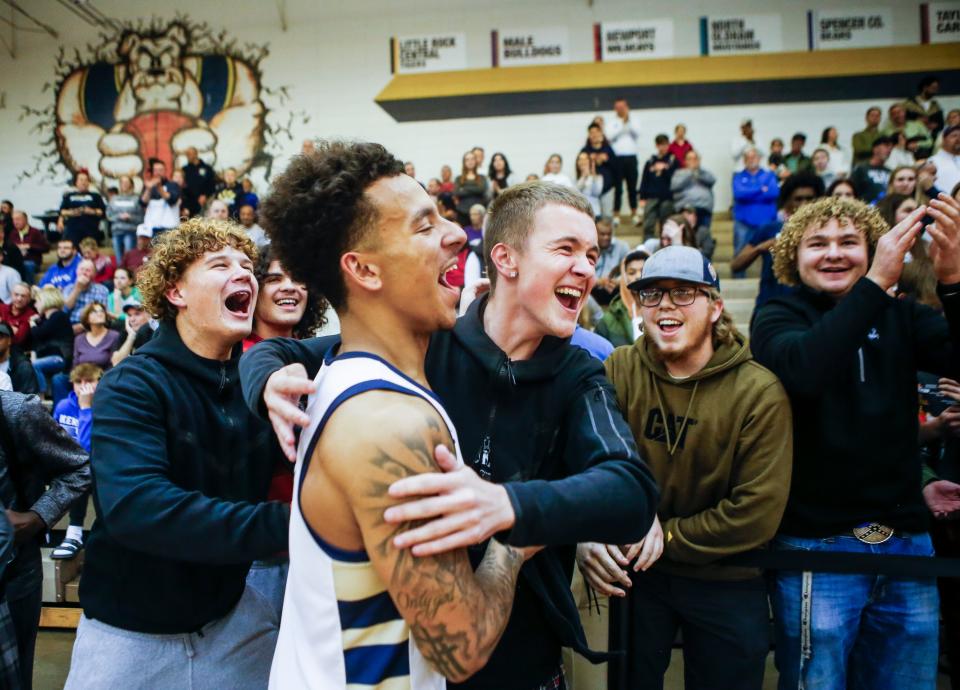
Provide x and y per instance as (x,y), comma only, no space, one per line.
(947,160)
(623,131)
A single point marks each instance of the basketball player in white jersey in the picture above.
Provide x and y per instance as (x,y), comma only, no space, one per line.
(359,612)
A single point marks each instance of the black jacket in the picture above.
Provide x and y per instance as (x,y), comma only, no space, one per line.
(656,185)
(549,430)
(180,469)
(54,336)
(42,469)
(850,369)
(22,374)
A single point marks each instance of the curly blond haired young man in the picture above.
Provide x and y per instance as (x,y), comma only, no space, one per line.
(847,354)
(182,469)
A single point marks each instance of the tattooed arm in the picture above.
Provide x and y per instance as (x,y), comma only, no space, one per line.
(456,615)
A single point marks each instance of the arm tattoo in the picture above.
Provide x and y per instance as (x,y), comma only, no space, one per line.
(456,615)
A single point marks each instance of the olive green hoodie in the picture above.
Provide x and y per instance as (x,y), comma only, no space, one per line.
(720,446)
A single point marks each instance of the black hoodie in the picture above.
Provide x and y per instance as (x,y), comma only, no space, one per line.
(550,431)
(850,370)
(179,466)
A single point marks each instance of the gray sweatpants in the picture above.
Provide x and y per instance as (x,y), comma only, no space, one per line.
(233,652)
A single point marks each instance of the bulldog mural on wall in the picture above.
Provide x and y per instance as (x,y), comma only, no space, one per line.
(155,92)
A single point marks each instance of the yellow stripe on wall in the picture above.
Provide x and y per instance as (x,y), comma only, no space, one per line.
(673,71)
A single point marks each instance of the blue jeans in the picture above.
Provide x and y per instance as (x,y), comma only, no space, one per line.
(45,367)
(867,632)
(741,233)
(123,241)
(29,271)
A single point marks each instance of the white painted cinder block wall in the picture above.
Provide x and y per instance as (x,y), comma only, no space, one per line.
(335,60)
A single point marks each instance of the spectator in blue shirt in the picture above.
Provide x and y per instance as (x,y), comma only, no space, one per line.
(755,191)
(797,190)
(75,415)
(63,274)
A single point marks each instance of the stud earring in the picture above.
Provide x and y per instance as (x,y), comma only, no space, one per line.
(513,275)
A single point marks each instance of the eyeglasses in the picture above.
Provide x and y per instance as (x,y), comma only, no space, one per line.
(680,296)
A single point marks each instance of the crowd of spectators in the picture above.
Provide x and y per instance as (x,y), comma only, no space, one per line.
(69,317)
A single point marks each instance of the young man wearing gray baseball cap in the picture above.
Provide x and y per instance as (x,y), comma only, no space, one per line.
(715,429)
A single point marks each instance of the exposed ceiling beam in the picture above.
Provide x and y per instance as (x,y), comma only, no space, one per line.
(12,46)
(15,6)
(75,10)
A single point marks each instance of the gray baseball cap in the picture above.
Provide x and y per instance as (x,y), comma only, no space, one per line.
(677,263)
(131,302)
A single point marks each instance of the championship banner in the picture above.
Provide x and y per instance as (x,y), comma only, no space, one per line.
(637,40)
(542,46)
(430,53)
(940,22)
(739,35)
(852,28)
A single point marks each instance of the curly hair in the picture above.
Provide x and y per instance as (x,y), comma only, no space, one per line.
(174,252)
(816,214)
(313,316)
(317,211)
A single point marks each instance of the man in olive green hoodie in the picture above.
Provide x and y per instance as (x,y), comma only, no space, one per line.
(716,430)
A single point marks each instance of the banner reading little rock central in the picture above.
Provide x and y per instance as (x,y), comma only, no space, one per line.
(738,35)
(430,53)
(637,40)
(851,28)
(541,46)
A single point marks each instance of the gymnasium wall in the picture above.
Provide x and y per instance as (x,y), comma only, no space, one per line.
(322,77)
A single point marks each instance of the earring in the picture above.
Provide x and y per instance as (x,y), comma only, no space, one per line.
(513,275)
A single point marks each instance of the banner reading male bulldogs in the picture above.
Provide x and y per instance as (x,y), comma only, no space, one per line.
(539,46)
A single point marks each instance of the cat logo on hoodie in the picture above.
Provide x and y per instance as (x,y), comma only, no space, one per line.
(655,430)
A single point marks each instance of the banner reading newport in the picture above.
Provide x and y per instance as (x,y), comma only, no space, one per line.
(637,40)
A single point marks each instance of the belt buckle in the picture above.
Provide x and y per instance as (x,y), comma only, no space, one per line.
(873,533)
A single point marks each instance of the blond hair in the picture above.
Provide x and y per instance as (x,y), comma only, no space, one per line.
(724,330)
(175,251)
(816,214)
(47,297)
(510,220)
